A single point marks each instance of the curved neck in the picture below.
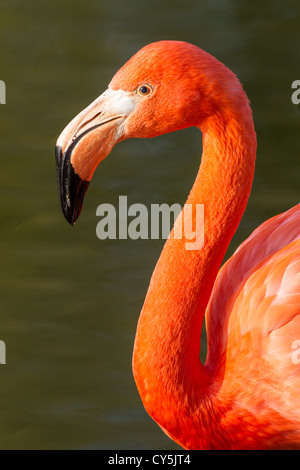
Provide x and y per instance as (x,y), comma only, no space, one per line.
(166,359)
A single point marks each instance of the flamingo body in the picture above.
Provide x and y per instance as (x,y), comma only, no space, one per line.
(246,395)
(258,291)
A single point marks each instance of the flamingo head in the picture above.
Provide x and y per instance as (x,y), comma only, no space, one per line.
(166,86)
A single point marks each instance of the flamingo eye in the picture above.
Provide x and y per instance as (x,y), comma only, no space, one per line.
(144,90)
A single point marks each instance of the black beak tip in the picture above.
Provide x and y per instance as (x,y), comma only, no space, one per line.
(69,216)
(58,154)
(71,187)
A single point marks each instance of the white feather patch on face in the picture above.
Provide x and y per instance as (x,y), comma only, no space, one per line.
(118,102)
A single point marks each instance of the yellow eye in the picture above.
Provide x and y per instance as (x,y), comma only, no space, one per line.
(144,90)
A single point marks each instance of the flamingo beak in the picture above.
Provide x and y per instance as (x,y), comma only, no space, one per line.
(87,140)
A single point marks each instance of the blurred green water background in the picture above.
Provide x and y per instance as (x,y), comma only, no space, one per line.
(69,302)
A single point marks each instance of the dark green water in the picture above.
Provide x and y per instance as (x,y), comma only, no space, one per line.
(70,302)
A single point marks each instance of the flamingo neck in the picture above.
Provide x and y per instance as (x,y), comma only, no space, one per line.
(166,362)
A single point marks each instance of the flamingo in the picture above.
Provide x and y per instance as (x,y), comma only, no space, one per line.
(246,394)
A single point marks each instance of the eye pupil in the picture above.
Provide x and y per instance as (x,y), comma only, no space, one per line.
(144,90)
